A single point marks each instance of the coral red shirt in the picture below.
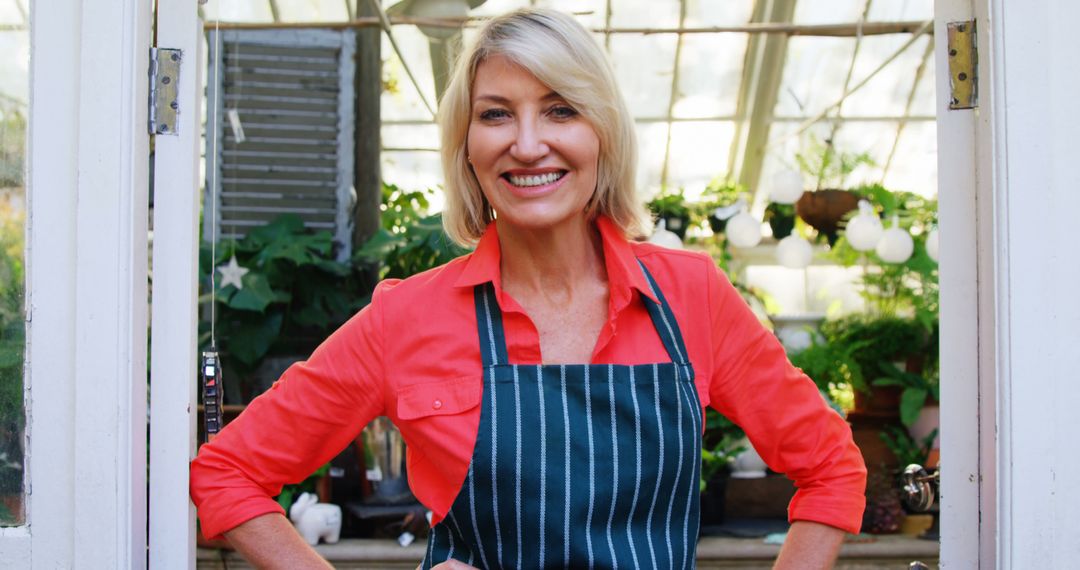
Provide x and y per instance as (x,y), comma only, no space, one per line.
(413,355)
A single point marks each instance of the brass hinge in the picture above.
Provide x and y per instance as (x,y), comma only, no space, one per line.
(164,79)
(963,65)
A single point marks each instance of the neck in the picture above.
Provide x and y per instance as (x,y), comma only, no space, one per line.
(553,262)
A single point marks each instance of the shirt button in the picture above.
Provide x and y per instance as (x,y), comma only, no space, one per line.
(436,404)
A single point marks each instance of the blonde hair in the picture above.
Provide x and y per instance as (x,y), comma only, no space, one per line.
(563,55)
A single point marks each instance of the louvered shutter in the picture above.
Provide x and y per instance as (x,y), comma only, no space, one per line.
(293,93)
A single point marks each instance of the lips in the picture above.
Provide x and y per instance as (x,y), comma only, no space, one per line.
(533,182)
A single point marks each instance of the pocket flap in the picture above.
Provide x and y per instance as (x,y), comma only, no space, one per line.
(439,398)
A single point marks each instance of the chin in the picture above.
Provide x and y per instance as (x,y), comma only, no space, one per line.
(539,219)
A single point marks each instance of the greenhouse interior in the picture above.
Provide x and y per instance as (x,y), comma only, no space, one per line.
(794,142)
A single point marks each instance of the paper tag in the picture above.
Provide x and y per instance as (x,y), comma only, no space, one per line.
(234,124)
(374,474)
(405,539)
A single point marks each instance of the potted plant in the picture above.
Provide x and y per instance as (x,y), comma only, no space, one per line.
(826,206)
(716,203)
(781,218)
(670,207)
(721,444)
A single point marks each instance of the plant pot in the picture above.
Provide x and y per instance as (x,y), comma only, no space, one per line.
(879,400)
(713,498)
(929,419)
(781,220)
(824,209)
(717,225)
(676,224)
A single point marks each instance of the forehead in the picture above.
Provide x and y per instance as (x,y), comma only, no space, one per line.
(497,77)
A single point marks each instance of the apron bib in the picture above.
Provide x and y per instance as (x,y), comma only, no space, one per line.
(579,465)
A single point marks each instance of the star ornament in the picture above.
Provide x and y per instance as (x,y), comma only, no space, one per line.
(231,274)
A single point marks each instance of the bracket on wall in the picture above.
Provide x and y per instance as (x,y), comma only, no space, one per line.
(164,79)
(963,65)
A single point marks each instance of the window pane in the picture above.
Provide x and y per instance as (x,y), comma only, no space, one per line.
(15,43)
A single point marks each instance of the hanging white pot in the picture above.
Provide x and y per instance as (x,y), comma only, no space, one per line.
(662,237)
(743,230)
(896,245)
(932,244)
(794,252)
(787,187)
(864,230)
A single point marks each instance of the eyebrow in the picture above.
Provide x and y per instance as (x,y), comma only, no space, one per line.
(504,101)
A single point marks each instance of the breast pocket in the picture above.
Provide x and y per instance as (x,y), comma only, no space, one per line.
(441,418)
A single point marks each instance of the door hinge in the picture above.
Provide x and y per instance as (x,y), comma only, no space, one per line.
(164,79)
(963,51)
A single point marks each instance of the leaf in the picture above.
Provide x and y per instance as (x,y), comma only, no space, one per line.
(887,381)
(250,341)
(280,229)
(255,295)
(911,403)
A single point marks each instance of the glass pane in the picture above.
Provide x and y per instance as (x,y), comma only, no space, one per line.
(643,66)
(14,73)
(710,70)
(312,10)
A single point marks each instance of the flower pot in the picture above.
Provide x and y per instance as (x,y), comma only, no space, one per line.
(781,218)
(879,400)
(716,224)
(713,498)
(676,224)
(824,209)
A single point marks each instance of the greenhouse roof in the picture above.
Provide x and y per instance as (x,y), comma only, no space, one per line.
(712,94)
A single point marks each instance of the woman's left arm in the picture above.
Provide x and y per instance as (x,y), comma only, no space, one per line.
(784,415)
(809,546)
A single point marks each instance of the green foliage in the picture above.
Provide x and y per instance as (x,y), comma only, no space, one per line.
(827,166)
(294,290)
(669,203)
(916,388)
(874,343)
(722,442)
(831,364)
(909,288)
(905,448)
(12,346)
(12,146)
(415,248)
(289,493)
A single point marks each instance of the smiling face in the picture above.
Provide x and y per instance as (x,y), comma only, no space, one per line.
(534,155)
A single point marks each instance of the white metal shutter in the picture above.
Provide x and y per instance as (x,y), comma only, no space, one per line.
(293,92)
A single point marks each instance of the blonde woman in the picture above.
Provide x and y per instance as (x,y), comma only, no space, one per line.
(551,385)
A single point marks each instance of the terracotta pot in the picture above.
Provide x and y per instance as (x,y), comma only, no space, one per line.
(881,399)
(824,209)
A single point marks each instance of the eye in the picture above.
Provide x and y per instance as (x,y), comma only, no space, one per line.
(563,112)
(493,114)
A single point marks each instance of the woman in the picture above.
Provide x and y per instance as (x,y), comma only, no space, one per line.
(551,384)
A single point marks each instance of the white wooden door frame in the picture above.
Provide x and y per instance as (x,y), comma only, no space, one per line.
(86,288)
(175,318)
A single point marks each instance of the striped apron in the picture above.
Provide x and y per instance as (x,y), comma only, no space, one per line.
(579,465)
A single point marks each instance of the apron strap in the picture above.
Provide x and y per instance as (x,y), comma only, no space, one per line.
(489,323)
(493,337)
(663,319)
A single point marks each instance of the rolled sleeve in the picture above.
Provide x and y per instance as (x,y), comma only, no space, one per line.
(306,418)
(783,414)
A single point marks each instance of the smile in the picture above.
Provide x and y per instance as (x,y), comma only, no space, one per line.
(529,181)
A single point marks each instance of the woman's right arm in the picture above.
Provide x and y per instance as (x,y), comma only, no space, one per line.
(305,419)
(270,541)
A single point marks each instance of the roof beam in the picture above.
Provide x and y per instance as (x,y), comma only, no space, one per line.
(674,97)
(762,75)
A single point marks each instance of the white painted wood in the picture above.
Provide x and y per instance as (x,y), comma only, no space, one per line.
(960,330)
(1033,46)
(111,277)
(175,318)
(52,168)
(86,304)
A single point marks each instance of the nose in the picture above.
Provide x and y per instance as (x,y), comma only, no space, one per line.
(529,144)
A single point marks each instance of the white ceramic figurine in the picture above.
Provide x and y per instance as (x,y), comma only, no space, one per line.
(316,520)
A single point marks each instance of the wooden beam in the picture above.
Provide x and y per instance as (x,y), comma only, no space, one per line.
(674,97)
(367,178)
(848,30)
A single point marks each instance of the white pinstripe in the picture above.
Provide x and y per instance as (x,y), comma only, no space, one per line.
(615,460)
(637,478)
(592,468)
(660,466)
(694,407)
(491,330)
(678,472)
(566,428)
(517,465)
(495,471)
(543,461)
(472,509)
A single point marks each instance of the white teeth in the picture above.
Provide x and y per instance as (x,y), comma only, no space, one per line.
(535,180)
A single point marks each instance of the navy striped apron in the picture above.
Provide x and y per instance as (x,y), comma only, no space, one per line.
(579,465)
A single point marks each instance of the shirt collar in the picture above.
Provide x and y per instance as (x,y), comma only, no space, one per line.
(623,271)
